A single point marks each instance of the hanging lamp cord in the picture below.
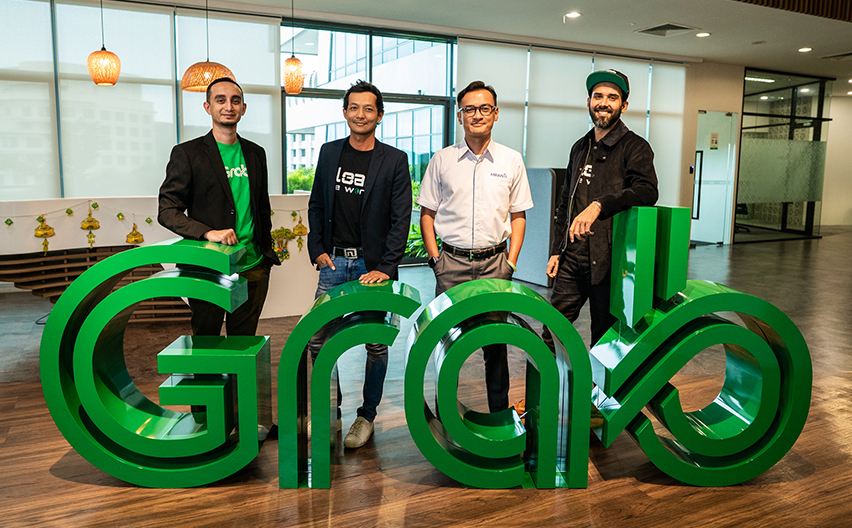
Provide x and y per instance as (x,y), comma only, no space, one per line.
(103,45)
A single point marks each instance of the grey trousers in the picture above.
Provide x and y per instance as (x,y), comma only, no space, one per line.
(450,271)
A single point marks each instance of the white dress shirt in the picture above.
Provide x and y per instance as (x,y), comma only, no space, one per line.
(473,196)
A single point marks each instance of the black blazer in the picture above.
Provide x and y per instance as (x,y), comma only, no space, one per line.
(196,196)
(385,207)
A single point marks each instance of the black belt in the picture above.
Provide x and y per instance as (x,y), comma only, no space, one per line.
(350,253)
(475,254)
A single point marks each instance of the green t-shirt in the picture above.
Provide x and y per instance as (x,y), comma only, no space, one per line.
(235,170)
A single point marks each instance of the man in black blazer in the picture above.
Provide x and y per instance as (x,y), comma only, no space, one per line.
(359,213)
(216,189)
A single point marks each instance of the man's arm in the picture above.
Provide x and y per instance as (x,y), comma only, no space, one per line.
(400,218)
(516,239)
(174,200)
(640,181)
(427,231)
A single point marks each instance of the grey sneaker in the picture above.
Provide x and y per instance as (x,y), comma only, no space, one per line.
(359,433)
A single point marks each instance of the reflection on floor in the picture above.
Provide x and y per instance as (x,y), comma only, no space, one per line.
(389,483)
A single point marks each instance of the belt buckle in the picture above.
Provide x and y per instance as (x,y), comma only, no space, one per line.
(350,253)
(470,255)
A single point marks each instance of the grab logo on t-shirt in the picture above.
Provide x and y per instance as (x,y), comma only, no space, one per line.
(352,183)
(236,172)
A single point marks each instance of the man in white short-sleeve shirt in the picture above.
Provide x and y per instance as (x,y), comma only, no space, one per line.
(473,197)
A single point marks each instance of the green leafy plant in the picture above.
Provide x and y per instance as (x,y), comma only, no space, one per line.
(300,179)
(415,247)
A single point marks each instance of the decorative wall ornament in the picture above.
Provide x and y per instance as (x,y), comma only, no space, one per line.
(300,230)
(135,237)
(281,236)
(90,224)
(42,231)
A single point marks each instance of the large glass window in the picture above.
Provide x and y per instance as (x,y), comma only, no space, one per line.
(250,51)
(413,74)
(28,144)
(115,140)
(782,161)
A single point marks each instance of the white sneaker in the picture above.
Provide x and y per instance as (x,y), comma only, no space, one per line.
(359,433)
(339,426)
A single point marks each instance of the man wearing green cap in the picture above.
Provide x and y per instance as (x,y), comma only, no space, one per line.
(610,169)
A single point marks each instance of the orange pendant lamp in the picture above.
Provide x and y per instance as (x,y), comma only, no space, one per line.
(294,74)
(198,77)
(104,66)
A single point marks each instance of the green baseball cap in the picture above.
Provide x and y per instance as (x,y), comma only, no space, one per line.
(611,76)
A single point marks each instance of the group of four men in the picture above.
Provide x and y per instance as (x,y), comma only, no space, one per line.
(473,198)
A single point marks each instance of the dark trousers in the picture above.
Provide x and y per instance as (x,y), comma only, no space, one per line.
(572,287)
(207,317)
(451,271)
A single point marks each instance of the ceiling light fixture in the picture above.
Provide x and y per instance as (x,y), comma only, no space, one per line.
(805,90)
(848,93)
(764,97)
(198,77)
(760,79)
(702,35)
(104,66)
(805,50)
(572,14)
(294,75)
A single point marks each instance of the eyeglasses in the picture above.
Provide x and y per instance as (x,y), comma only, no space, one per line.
(485,110)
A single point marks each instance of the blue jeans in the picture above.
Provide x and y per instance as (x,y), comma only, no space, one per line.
(377,355)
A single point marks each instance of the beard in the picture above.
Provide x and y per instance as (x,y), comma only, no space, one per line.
(605,121)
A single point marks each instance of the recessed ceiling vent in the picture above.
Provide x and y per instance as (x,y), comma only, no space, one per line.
(666,30)
(839,56)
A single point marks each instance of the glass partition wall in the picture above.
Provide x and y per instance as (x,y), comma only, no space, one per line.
(782,159)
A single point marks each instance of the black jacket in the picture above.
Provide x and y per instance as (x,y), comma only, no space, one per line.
(196,196)
(624,176)
(385,207)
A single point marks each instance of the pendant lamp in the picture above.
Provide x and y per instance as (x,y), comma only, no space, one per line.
(198,77)
(103,65)
(294,74)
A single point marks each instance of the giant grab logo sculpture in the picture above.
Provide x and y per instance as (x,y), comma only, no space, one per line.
(663,321)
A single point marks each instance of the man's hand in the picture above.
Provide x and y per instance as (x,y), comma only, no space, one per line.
(582,224)
(223,236)
(324,260)
(373,277)
(552,266)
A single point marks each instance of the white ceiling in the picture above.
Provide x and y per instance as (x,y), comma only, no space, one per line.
(734,27)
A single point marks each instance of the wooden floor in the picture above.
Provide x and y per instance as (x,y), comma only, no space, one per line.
(43,482)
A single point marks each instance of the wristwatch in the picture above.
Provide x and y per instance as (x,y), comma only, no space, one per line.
(433,261)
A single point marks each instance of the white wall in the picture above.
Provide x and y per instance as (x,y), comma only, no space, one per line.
(837,186)
(713,87)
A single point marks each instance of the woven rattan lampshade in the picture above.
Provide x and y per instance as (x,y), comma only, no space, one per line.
(294,76)
(197,77)
(104,67)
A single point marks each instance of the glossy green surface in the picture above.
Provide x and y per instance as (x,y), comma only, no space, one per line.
(763,404)
(664,321)
(634,242)
(105,417)
(485,451)
(672,256)
(364,307)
